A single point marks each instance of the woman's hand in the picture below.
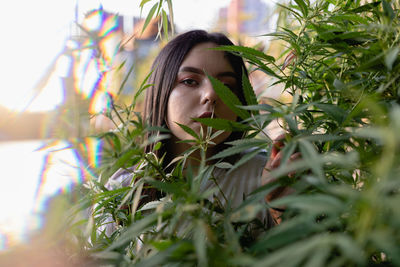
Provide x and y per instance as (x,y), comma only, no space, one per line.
(274,162)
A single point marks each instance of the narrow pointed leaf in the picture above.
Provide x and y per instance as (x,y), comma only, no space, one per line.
(243,50)
(188,130)
(248,90)
(149,17)
(229,98)
(223,124)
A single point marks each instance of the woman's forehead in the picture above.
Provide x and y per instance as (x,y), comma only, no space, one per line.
(202,57)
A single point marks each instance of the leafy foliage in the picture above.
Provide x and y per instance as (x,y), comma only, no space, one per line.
(342,70)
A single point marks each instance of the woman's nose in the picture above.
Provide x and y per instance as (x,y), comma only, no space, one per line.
(209,94)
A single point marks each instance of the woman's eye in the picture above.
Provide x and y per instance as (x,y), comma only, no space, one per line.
(189,82)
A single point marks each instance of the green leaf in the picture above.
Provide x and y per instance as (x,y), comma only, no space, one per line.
(248,91)
(333,111)
(165,23)
(268,71)
(162,244)
(189,130)
(366,7)
(200,243)
(125,79)
(223,124)
(349,247)
(143,2)
(243,50)
(143,86)
(228,97)
(391,56)
(125,159)
(133,231)
(349,17)
(264,107)
(239,146)
(113,140)
(388,10)
(174,188)
(310,154)
(171,16)
(149,17)
(314,204)
(303,7)
(157,146)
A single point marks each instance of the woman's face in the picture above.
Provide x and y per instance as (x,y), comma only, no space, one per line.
(193,95)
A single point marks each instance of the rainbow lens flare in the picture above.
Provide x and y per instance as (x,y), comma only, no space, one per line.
(93,73)
(48,169)
(39,170)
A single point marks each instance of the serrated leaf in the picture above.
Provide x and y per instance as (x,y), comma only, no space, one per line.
(189,130)
(366,7)
(264,107)
(223,124)
(228,97)
(239,146)
(244,50)
(174,188)
(124,159)
(333,111)
(303,7)
(248,91)
(268,71)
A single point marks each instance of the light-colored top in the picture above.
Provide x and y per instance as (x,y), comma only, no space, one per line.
(234,186)
(237,185)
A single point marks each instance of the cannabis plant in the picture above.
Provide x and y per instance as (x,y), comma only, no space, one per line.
(341,69)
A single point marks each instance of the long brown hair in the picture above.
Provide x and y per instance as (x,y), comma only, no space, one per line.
(165,70)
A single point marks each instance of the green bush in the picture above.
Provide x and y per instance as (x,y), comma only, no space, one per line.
(342,71)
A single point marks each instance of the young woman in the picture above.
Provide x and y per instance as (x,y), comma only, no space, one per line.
(181,91)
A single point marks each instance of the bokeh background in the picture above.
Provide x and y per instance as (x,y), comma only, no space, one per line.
(63,63)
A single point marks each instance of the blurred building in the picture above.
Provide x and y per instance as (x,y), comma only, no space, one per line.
(245,17)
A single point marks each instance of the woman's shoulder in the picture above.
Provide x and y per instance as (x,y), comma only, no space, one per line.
(251,169)
(256,162)
(120,178)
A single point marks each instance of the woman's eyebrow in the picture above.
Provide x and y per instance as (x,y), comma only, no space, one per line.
(199,71)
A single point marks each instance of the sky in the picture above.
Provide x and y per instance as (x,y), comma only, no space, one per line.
(35,33)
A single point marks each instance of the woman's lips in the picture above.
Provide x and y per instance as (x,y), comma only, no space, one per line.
(206,115)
